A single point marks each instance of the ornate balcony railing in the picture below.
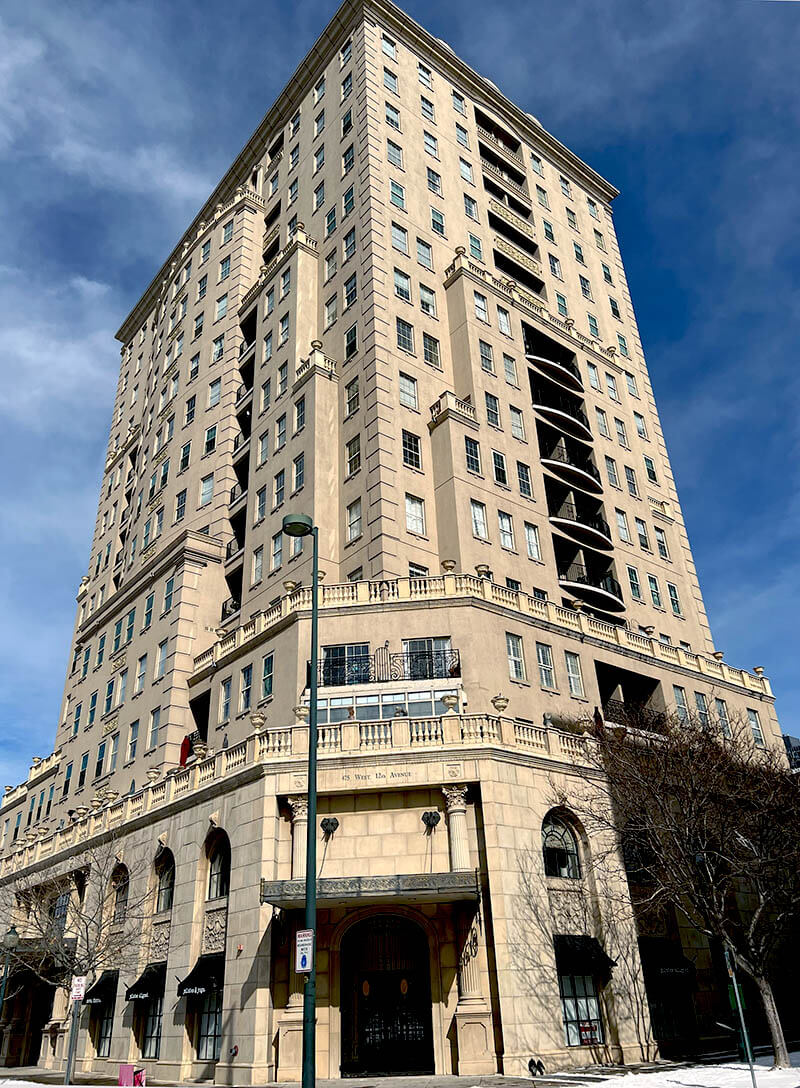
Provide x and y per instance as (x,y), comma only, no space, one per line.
(382,667)
(578,574)
(567,458)
(546,398)
(570,512)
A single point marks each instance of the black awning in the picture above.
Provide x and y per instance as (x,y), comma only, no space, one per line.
(149,984)
(104,990)
(204,978)
(663,958)
(580,954)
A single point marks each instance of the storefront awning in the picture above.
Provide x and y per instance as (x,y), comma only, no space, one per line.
(348,890)
(580,954)
(205,977)
(149,984)
(104,990)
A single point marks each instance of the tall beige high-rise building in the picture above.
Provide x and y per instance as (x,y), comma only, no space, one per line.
(403,312)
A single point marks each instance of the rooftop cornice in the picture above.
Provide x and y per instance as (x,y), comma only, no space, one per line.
(297,86)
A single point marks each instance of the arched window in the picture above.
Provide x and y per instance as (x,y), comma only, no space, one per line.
(165,871)
(560,848)
(219,866)
(119,884)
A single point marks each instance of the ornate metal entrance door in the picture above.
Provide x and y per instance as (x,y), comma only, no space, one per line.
(386,999)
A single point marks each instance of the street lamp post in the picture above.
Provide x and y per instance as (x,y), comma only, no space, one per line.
(10,942)
(301,525)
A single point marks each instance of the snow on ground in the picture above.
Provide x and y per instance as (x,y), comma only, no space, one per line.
(730,1075)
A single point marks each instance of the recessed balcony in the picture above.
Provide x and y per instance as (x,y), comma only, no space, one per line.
(564,413)
(237,495)
(230,608)
(591,529)
(383,667)
(599,590)
(573,470)
(565,372)
(233,550)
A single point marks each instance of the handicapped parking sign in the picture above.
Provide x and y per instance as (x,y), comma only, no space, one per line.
(304,951)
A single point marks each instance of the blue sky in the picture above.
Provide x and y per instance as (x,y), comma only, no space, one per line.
(117,119)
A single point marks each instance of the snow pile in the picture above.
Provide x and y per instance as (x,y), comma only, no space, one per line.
(730,1075)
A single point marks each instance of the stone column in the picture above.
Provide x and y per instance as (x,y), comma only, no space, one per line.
(469,979)
(299,809)
(458,841)
(295,980)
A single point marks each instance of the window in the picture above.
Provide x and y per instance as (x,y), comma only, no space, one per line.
(721,708)
(348,160)
(548,231)
(506,527)
(611,470)
(622,526)
(517,423)
(606,273)
(394,153)
(431,144)
(331,310)
(473,454)
(574,677)
(415,515)
(623,346)
(510,369)
(266,676)
(641,428)
(434,181)
(389,48)
(349,244)
(354,520)
(397,194)
(555,266)
(224,268)
(516,658)
(580,1009)
(755,727)
(599,241)
(430,350)
(661,542)
(399,238)
(206,489)
(347,86)
(298,472)
(702,709)
(641,532)
(481,307)
(630,479)
(614,308)
(347,123)
(210,441)
(532,542)
(214,392)
(681,706)
(475,247)
(392,116)
(424,74)
(351,397)
(480,526)
(278,488)
(437,222)
(353,455)
(405,335)
(674,599)
(462,136)
(424,254)
(459,103)
(261,504)
(219,861)
(541,196)
(544,658)
(155,722)
(350,342)
(133,737)
(594,329)
(650,469)
(492,409)
(466,171)
(655,591)
(471,207)
(408,391)
(602,422)
(330,221)
(412,450)
(572,219)
(390,80)
(280,433)
(622,434)
(487,356)
(402,285)
(345,53)
(161,659)
(319,196)
(263,448)
(276,554)
(227,232)
(524,480)
(560,845)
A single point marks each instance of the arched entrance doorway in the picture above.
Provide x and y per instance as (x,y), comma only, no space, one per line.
(386,998)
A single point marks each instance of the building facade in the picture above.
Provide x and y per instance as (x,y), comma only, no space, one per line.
(403,312)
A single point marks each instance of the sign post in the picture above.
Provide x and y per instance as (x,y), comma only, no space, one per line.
(76,996)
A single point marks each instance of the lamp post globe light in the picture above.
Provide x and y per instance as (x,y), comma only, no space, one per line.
(301,525)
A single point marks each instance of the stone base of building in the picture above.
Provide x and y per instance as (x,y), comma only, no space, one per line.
(475,1038)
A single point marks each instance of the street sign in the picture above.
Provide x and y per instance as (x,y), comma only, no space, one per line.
(78,988)
(304,951)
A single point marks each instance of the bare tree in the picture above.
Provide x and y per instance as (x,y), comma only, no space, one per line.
(82,916)
(707,823)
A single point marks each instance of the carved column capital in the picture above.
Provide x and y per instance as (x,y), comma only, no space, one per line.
(299,808)
(455,798)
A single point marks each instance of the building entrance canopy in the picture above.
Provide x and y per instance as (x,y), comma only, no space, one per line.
(349,891)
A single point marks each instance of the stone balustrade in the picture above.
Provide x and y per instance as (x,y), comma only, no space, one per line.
(273,744)
(468,587)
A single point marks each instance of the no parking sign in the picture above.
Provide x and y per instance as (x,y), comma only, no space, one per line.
(304,951)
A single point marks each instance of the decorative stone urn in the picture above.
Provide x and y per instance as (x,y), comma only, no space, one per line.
(153,775)
(290,586)
(448,565)
(500,702)
(200,750)
(258,721)
(482,570)
(718,655)
(451,702)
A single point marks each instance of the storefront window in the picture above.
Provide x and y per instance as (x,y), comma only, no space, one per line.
(209,1040)
(151,1038)
(105,1020)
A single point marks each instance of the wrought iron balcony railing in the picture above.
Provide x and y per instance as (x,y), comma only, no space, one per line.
(382,667)
(578,574)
